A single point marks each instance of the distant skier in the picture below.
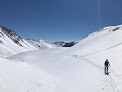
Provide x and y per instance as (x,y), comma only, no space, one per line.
(107,64)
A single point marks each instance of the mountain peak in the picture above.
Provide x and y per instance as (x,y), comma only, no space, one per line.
(11,43)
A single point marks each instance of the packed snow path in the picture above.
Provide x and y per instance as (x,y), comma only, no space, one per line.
(110,79)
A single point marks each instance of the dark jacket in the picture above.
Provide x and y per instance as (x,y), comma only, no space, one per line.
(107,63)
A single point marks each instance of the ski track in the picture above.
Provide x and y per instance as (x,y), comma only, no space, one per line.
(111,81)
(102,50)
(106,85)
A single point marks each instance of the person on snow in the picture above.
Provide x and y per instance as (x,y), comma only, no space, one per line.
(107,64)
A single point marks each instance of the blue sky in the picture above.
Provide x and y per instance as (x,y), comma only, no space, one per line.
(58,20)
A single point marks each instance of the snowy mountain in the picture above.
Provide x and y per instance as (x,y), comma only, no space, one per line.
(65,44)
(103,39)
(60,43)
(11,43)
(41,44)
(76,69)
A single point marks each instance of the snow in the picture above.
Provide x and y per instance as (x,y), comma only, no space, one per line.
(11,44)
(68,74)
(21,77)
(41,44)
(8,47)
(76,69)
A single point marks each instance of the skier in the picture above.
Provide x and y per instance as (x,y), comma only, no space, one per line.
(107,64)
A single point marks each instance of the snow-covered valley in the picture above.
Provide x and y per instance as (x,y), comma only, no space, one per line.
(76,69)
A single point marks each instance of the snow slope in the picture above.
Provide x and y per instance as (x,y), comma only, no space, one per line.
(41,44)
(68,74)
(22,77)
(8,46)
(76,69)
(11,43)
(101,45)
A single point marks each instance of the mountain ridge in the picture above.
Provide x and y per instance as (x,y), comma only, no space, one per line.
(11,43)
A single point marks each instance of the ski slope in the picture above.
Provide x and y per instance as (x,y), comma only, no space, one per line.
(60,70)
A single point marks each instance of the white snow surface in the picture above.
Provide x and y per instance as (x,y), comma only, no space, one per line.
(76,69)
(41,44)
(8,47)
